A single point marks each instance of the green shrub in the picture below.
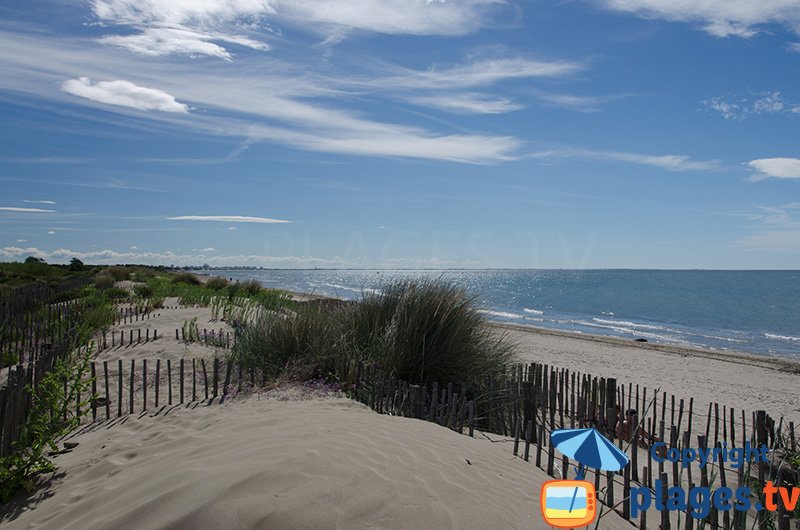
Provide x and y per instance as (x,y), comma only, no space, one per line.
(104,280)
(186,277)
(216,283)
(115,293)
(249,288)
(120,273)
(52,416)
(76,265)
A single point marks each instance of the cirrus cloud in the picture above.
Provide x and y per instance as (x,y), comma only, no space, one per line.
(721,18)
(227,219)
(16,209)
(124,94)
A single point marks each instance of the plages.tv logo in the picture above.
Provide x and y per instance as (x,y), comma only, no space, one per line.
(572,503)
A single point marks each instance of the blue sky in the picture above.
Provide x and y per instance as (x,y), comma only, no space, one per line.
(366,133)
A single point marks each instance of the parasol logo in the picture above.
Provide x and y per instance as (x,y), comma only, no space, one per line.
(572,503)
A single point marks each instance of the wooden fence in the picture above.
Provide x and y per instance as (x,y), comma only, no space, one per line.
(533,400)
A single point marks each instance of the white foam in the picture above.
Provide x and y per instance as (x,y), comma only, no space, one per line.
(782,337)
(501,314)
(533,311)
(628,324)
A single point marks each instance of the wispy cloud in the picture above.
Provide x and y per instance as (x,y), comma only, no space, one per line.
(777,230)
(779,168)
(180,41)
(739,108)
(577,102)
(51,232)
(38,202)
(56,160)
(279,105)
(666,162)
(721,18)
(479,73)
(785,216)
(793,47)
(16,209)
(227,219)
(787,241)
(163,27)
(394,17)
(467,103)
(123,93)
(207,249)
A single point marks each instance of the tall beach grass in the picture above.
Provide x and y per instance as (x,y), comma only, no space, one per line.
(418,331)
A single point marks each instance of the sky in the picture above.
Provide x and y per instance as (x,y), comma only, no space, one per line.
(402,133)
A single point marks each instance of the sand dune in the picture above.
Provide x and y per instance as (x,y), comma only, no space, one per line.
(268,463)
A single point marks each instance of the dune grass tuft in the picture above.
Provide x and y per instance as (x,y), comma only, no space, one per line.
(418,331)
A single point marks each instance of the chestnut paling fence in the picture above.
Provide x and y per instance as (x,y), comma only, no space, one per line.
(531,401)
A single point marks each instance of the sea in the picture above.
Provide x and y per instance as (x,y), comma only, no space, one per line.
(746,311)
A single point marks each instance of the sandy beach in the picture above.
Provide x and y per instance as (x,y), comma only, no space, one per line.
(738,380)
(310,462)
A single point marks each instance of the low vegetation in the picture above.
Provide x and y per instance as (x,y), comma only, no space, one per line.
(416,331)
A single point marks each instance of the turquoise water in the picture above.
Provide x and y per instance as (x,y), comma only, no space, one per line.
(751,311)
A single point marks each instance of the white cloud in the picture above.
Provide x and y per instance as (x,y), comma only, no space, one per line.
(123,93)
(134,247)
(479,73)
(51,232)
(38,202)
(22,240)
(410,17)
(168,41)
(779,168)
(232,228)
(738,108)
(227,219)
(194,28)
(467,103)
(24,210)
(261,100)
(106,256)
(721,18)
(793,47)
(183,27)
(668,162)
(207,249)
